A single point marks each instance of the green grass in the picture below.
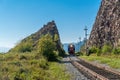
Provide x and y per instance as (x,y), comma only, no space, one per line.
(111,60)
(59,72)
(30,66)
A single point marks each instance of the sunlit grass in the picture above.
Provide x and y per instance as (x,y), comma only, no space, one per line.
(58,72)
(111,60)
(30,66)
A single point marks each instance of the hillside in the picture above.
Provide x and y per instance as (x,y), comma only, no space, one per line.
(106,29)
(35,57)
(31,42)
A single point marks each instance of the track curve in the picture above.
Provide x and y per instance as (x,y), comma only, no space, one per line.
(93,72)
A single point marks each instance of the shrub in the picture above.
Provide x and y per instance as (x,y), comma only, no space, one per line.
(116,51)
(98,52)
(43,64)
(27,47)
(46,47)
(93,50)
(36,76)
(21,74)
(106,49)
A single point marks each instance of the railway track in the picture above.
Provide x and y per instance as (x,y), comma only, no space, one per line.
(92,71)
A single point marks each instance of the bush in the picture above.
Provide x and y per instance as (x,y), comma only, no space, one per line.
(27,47)
(93,50)
(36,76)
(98,52)
(46,47)
(43,64)
(21,74)
(116,51)
(106,49)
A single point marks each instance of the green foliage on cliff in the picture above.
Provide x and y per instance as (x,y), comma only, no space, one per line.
(56,37)
(96,50)
(106,49)
(93,50)
(46,47)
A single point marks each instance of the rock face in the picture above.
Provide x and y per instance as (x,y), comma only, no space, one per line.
(49,28)
(106,28)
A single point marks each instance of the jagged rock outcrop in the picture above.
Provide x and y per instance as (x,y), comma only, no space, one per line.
(106,28)
(49,28)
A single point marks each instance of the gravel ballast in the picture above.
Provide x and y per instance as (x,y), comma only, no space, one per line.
(75,74)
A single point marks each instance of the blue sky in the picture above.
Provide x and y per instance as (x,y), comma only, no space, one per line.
(20,18)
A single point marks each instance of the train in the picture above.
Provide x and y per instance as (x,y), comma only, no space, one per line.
(71,49)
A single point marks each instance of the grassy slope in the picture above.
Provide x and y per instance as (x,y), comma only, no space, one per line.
(30,66)
(111,60)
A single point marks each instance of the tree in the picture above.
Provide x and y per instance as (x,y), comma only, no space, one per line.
(46,47)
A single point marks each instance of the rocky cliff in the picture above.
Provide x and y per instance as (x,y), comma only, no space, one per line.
(106,28)
(49,28)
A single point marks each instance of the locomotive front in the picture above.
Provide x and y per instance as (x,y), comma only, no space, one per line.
(71,49)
